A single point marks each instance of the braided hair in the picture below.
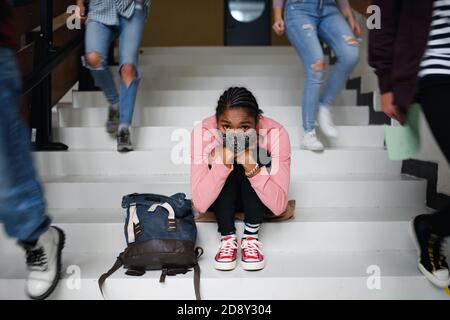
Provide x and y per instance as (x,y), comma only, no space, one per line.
(238,97)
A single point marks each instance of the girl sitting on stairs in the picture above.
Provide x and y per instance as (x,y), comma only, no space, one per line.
(307,21)
(229,174)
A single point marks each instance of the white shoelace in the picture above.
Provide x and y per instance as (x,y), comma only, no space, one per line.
(252,247)
(226,247)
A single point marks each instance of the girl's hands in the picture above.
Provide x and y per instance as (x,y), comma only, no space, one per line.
(226,156)
(246,157)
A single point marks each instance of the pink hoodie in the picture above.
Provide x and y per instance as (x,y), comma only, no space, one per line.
(207,183)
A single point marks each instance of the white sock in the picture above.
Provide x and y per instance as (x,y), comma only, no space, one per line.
(251,230)
(124,127)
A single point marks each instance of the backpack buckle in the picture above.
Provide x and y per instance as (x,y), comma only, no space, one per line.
(171,225)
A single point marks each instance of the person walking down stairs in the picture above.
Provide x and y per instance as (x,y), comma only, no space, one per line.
(22,209)
(105,20)
(307,22)
(412,61)
(230,173)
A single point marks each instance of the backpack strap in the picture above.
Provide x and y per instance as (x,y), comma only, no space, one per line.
(117,265)
(197,282)
(198,253)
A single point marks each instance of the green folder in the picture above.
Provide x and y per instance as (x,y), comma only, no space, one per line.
(403,142)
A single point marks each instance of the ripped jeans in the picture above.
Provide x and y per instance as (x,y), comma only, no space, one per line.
(307,21)
(98,40)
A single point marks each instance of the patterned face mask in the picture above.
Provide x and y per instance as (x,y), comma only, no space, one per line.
(239,141)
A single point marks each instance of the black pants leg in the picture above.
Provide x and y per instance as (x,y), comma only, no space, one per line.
(434,96)
(237,194)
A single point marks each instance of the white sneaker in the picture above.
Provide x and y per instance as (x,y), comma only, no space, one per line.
(44,264)
(310,141)
(325,120)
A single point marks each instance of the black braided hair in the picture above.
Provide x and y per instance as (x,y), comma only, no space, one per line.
(238,97)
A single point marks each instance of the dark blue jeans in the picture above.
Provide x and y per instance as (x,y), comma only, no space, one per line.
(22,209)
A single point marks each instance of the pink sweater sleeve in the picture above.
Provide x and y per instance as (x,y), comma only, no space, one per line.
(206,183)
(273,188)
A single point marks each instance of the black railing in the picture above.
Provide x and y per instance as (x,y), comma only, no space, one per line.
(46,58)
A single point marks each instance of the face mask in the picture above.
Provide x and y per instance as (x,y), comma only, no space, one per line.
(239,141)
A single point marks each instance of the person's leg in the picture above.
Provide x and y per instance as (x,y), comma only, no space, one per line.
(224,208)
(98,39)
(130,36)
(429,230)
(253,207)
(252,257)
(301,29)
(336,32)
(434,97)
(22,208)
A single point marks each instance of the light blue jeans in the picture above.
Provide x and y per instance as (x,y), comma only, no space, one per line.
(22,208)
(307,22)
(98,40)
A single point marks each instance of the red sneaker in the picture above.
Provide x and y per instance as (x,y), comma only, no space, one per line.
(252,256)
(226,257)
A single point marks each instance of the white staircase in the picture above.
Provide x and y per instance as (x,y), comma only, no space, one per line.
(353,205)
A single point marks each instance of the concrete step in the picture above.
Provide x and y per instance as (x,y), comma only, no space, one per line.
(249,59)
(275,82)
(144,138)
(331,275)
(376,190)
(231,71)
(177,161)
(310,236)
(219,51)
(302,214)
(181,116)
(203,97)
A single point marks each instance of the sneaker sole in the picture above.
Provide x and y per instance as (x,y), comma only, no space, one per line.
(327,134)
(125,149)
(61,244)
(312,149)
(422,269)
(225,266)
(252,266)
